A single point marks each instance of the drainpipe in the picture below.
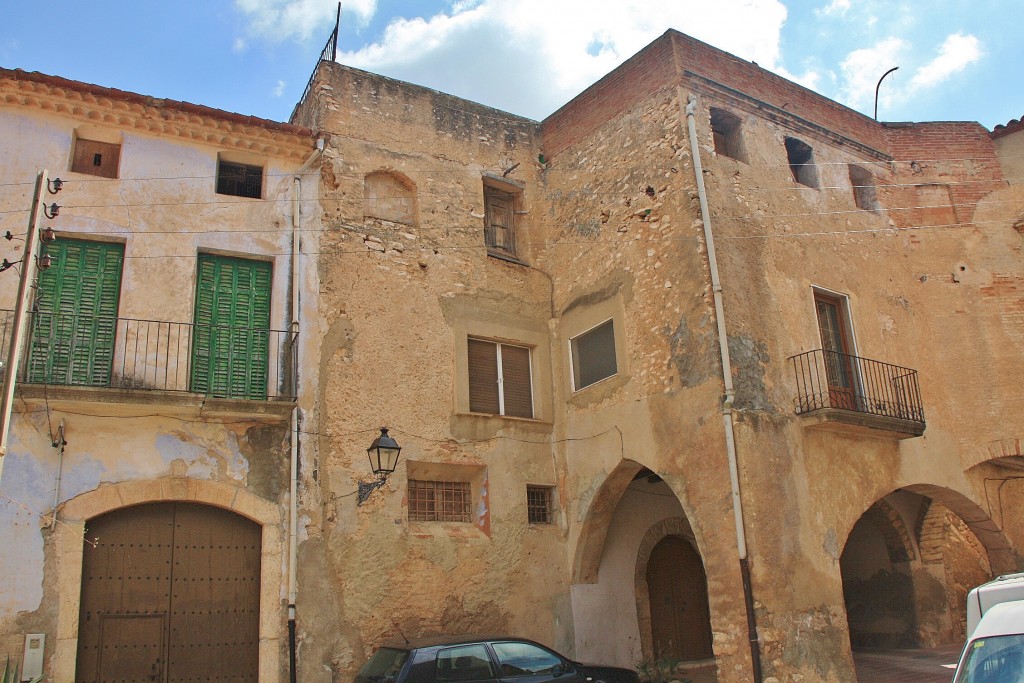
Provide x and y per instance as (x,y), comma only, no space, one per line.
(730,393)
(293,489)
(59,444)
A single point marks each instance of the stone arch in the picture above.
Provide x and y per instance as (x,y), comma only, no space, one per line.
(675,526)
(893,529)
(931,532)
(391,196)
(590,544)
(68,545)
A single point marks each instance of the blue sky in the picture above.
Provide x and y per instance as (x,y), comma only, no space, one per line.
(958,59)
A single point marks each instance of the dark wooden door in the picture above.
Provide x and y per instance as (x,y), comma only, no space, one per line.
(678,589)
(835,346)
(170,592)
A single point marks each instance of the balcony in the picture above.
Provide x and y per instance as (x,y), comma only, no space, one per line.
(139,356)
(840,392)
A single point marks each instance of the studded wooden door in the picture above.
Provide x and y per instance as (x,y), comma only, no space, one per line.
(678,589)
(170,593)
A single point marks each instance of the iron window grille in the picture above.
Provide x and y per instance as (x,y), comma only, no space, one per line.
(439,501)
(538,505)
(240,180)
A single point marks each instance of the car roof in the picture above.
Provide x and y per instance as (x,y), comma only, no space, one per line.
(1003,619)
(438,641)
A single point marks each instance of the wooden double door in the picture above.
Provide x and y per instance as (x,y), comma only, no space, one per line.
(678,590)
(170,592)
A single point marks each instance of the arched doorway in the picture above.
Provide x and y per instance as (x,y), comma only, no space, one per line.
(677,588)
(170,591)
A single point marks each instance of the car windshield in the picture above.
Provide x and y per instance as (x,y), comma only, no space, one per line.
(384,665)
(997,659)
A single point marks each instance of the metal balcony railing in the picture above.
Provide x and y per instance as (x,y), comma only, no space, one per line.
(124,353)
(833,380)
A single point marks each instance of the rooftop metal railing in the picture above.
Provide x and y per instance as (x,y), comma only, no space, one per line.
(126,353)
(829,379)
(328,54)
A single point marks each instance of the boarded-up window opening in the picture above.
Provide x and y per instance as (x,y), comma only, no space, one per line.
(499,379)
(499,221)
(801,162)
(96,158)
(439,501)
(593,355)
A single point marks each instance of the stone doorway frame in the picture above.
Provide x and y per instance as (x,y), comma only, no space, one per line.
(69,550)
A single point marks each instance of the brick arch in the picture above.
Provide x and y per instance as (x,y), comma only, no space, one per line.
(673,526)
(893,529)
(70,532)
(932,533)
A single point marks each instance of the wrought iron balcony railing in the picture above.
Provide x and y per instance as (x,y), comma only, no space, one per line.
(124,353)
(832,380)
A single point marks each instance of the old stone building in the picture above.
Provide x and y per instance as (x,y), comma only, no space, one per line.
(704,367)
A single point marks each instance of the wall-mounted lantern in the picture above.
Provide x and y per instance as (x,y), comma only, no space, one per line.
(383,454)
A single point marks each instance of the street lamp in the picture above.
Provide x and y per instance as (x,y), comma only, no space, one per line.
(383,455)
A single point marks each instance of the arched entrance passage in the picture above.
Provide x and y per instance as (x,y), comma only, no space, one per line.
(908,562)
(170,591)
(638,575)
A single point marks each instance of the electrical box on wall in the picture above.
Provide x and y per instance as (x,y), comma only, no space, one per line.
(32,661)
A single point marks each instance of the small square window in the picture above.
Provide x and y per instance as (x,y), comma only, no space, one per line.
(499,221)
(539,508)
(439,501)
(801,162)
(499,379)
(593,355)
(239,180)
(96,158)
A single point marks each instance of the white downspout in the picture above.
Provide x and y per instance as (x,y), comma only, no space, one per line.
(730,393)
(293,487)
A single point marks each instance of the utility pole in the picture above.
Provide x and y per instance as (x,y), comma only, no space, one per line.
(28,274)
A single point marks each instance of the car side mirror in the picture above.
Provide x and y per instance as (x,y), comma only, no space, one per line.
(561,669)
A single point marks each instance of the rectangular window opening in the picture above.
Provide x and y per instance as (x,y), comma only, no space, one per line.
(239,180)
(801,162)
(500,379)
(593,355)
(863,184)
(725,131)
(440,501)
(500,221)
(539,507)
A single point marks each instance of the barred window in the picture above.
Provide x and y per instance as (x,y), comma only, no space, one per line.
(538,504)
(239,180)
(439,501)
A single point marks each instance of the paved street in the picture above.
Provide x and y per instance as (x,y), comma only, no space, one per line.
(907,666)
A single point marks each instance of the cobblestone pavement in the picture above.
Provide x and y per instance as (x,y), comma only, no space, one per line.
(934,665)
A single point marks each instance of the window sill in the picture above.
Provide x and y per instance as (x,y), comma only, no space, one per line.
(508,258)
(484,426)
(462,530)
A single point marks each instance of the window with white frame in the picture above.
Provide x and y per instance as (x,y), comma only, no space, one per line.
(593,355)
(500,378)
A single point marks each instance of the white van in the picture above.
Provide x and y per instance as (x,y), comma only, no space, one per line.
(980,599)
(995,650)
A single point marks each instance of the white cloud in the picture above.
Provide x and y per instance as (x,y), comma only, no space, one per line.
(279,89)
(532,56)
(301,19)
(956,54)
(834,8)
(238,45)
(862,68)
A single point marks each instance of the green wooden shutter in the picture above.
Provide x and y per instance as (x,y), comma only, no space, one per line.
(76,319)
(230,347)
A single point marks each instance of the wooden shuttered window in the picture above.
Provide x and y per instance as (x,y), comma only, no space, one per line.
(499,221)
(232,321)
(96,158)
(75,322)
(499,379)
(593,356)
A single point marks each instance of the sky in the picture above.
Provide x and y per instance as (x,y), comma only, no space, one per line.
(957,59)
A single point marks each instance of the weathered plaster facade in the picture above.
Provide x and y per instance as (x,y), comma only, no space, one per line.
(860,529)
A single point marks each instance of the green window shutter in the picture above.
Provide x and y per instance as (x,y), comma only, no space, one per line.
(230,347)
(76,321)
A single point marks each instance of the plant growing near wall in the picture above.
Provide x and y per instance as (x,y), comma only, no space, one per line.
(11,675)
(660,671)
